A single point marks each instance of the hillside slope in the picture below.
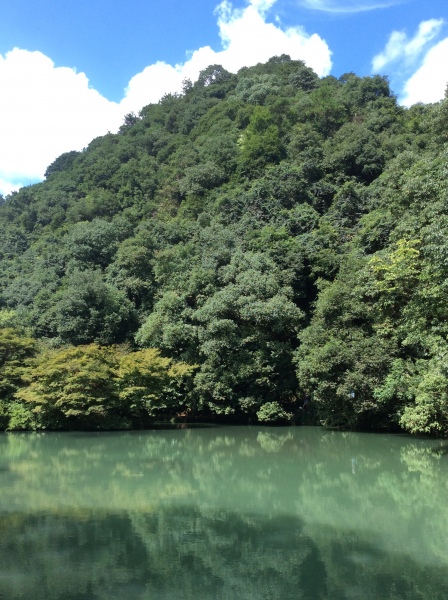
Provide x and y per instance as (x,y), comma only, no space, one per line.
(283,234)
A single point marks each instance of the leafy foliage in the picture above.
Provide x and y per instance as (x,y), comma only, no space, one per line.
(283,233)
(15,350)
(99,387)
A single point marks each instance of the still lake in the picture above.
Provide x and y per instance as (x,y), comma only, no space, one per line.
(223,513)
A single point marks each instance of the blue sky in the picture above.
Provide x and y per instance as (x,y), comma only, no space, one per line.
(69,70)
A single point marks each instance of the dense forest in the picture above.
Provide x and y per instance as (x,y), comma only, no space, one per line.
(266,246)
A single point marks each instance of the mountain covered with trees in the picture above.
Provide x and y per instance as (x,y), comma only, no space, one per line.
(263,247)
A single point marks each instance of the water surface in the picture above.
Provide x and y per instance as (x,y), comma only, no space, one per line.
(244,513)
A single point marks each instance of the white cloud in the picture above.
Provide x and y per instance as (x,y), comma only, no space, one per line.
(428,83)
(246,38)
(400,48)
(348,6)
(418,65)
(44,111)
(245,34)
(6,187)
(47,110)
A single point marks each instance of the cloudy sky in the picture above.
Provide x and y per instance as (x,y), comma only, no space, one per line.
(70,70)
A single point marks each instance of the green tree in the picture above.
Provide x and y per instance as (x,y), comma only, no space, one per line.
(241,334)
(98,387)
(15,351)
(260,143)
(343,356)
(153,386)
(89,309)
(74,388)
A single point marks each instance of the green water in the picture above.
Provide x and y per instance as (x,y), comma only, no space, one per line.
(223,513)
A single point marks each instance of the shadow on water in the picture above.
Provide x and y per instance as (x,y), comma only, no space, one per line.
(195,553)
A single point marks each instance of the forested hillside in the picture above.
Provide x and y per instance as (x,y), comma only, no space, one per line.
(267,246)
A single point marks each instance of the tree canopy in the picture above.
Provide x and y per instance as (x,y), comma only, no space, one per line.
(283,237)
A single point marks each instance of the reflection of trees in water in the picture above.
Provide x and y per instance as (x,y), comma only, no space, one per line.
(240,511)
(70,556)
(390,489)
(217,554)
(273,441)
(200,554)
(174,553)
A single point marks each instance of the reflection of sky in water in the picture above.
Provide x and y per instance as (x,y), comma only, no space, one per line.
(291,505)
